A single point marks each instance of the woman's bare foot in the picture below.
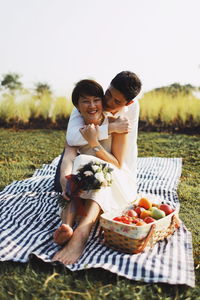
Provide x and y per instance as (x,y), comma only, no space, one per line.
(73,249)
(62,234)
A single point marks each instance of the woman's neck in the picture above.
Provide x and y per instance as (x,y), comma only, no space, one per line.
(95,122)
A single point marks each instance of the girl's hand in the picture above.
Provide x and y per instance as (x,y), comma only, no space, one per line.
(90,133)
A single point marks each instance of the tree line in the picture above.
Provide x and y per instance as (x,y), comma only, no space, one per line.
(12,82)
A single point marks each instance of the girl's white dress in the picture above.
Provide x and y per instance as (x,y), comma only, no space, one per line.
(120,193)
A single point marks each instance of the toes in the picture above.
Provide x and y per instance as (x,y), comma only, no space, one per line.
(55,258)
(63,227)
(55,234)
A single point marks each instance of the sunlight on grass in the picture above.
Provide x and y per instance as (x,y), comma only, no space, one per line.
(180,110)
(32,106)
(170,110)
(61,108)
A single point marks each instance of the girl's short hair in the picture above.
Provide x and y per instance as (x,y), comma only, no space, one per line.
(86,87)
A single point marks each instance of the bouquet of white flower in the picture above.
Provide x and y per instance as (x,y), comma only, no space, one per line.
(93,176)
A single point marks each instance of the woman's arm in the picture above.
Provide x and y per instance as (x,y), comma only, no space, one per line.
(66,167)
(90,133)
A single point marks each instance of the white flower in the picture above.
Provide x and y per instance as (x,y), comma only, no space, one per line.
(99,176)
(95,168)
(108,177)
(88,173)
(105,183)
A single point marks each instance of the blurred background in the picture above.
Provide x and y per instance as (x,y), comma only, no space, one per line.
(49,45)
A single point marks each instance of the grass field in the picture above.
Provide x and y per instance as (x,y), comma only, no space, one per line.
(21,152)
(165,110)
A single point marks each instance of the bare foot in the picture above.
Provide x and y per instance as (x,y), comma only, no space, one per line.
(73,249)
(62,234)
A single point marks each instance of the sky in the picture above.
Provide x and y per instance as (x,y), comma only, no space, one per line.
(60,42)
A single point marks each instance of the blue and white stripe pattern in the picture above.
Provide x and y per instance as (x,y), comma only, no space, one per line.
(29,214)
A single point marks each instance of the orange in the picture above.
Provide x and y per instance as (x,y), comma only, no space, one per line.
(145,213)
(155,205)
(146,203)
(140,223)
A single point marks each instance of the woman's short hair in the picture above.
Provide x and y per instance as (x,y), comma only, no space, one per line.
(86,87)
(128,84)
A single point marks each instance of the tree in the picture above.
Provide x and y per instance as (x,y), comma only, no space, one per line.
(11,81)
(176,88)
(42,88)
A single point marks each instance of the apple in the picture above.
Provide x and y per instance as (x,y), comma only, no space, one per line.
(166,208)
(138,210)
(135,221)
(149,220)
(132,213)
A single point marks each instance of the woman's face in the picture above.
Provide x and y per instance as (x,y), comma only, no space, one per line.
(90,107)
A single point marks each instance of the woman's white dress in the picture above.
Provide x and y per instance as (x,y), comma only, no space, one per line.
(120,193)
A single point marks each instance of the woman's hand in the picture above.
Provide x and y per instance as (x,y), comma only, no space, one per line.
(90,133)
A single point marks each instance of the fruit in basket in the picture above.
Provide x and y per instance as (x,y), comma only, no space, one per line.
(131,213)
(145,213)
(166,208)
(123,219)
(157,213)
(138,210)
(140,222)
(146,203)
(149,220)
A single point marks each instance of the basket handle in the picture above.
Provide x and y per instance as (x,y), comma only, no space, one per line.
(146,239)
(175,222)
(101,235)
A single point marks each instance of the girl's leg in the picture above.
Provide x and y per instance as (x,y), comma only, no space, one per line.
(65,231)
(74,248)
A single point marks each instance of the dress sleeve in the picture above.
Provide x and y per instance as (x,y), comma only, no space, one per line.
(133,115)
(132,149)
(73,135)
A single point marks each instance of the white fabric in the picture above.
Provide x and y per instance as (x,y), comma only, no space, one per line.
(115,197)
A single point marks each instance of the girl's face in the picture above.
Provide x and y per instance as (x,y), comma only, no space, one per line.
(90,107)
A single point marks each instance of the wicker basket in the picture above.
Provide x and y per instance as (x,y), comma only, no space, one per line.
(134,239)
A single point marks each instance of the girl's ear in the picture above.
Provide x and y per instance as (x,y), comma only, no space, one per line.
(130,102)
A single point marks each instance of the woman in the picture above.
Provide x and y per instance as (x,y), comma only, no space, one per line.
(87,97)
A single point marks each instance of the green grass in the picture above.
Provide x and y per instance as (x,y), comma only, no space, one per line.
(21,152)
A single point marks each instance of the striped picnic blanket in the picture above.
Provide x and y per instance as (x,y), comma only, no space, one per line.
(29,214)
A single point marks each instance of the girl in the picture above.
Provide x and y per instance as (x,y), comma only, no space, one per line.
(87,97)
